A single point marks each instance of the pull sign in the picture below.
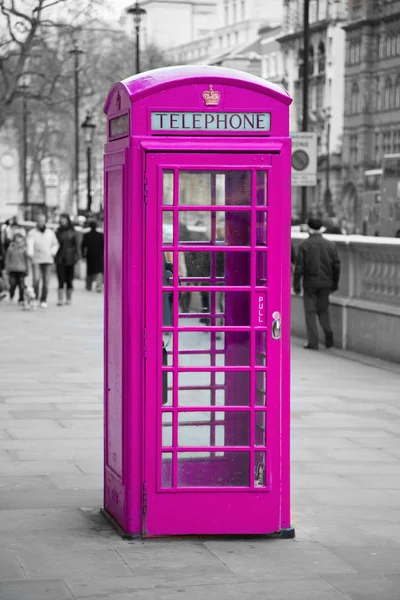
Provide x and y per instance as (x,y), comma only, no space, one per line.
(260,308)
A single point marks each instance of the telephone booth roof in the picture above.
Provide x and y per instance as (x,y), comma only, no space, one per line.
(155,81)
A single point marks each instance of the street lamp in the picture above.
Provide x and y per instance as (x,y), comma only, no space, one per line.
(137,13)
(76,52)
(88,128)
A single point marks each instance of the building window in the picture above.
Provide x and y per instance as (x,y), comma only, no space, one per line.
(398,43)
(397,93)
(387,96)
(382,46)
(300,60)
(226,10)
(377,148)
(388,46)
(354,150)
(234,13)
(355,99)
(355,52)
(243,10)
(311,61)
(272,65)
(321,58)
(236,37)
(394,44)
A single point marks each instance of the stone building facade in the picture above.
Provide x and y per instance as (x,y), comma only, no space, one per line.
(372,95)
(326,91)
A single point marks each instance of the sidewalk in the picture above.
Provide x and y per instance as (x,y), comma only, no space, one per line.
(55,546)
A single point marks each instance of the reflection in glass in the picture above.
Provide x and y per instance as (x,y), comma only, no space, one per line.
(260,428)
(168,188)
(261,268)
(260,479)
(167,429)
(261,348)
(228,469)
(261,388)
(261,228)
(262,188)
(168,228)
(167,469)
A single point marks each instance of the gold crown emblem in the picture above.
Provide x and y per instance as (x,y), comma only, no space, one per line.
(211,97)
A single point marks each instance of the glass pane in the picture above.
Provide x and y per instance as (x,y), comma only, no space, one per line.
(168,187)
(261,229)
(237,348)
(199,428)
(168,348)
(167,429)
(229,268)
(202,188)
(217,470)
(260,428)
(168,228)
(261,268)
(167,308)
(195,226)
(214,389)
(167,381)
(166,469)
(259,469)
(261,348)
(215,309)
(262,188)
(261,388)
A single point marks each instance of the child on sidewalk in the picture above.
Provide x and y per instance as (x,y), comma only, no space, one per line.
(17,266)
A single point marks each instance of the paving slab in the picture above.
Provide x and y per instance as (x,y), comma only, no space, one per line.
(41,589)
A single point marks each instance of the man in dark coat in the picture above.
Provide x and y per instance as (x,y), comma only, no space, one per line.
(93,251)
(318,265)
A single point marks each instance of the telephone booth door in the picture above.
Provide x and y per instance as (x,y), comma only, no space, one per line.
(212,429)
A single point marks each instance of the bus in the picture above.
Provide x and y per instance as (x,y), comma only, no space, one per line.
(381,199)
(371,205)
(390,204)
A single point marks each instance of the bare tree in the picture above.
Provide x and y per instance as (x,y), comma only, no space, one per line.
(28,30)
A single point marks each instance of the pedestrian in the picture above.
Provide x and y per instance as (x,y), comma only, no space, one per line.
(12,227)
(318,267)
(68,254)
(42,246)
(17,266)
(93,251)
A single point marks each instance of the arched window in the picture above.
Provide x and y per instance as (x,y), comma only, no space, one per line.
(300,61)
(311,61)
(388,46)
(397,93)
(393,37)
(355,99)
(321,58)
(387,96)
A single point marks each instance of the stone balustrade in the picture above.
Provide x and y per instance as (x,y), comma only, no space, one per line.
(366,309)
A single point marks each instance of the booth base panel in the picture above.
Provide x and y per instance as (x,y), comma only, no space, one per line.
(285,534)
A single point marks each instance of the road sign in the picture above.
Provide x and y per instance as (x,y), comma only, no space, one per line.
(304,159)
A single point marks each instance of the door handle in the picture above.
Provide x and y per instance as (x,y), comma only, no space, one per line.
(276,326)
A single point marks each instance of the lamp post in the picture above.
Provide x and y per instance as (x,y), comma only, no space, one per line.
(328,194)
(137,13)
(306,44)
(88,128)
(24,88)
(76,52)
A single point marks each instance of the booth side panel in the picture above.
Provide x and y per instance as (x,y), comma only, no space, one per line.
(114,500)
(134,268)
(286,299)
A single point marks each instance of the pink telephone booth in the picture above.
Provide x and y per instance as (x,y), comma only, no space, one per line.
(197,288)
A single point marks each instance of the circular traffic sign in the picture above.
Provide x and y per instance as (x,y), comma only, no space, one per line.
(300,160)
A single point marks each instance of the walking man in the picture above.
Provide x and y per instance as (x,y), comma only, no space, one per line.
(42,246)
(318,265)
(93,251)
